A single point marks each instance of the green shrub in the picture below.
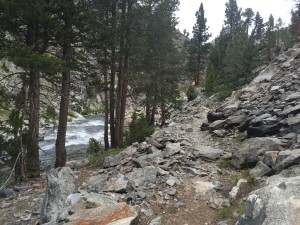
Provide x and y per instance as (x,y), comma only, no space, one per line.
(98,158)
(94,146)
(50,114)
(226,213)
(191,93)
(138,130)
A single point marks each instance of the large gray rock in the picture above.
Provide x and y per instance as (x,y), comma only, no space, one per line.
(119,184)
(286,159)
(218,124)
(207,152)
(253,149)
(267,74)
(294,121)
(171,149)
(260,170)
(293,96)
(143,176)
(291,110)
(112,161)
(102,209)
(60,184)
(277,203)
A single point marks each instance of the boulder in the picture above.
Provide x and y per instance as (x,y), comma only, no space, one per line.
(253,149)
(112,161)
(293,96)
(207,152)
(171,149)
(213,116)
(277,203)
(261,170)
(143,176)
(218,124)
(263,131)
(236,120)
(290,110)
(118,184)
(267,74)
(60,184)
(286,159)
(103,209)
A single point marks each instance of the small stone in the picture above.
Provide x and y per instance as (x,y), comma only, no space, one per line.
(148,212)
(171,182)
(141,194)
(172,192)
(6,205)
(167,197)
(156,221)
(179,205)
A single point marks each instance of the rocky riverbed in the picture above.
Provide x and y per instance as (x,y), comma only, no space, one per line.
(236,162)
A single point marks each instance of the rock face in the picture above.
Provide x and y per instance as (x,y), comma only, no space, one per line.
(277,203)
(60,184)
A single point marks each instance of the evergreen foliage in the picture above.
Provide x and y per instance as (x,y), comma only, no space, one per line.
(138,130)
(197,47)
(191,93)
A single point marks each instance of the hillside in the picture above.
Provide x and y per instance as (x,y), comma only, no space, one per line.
(182,175)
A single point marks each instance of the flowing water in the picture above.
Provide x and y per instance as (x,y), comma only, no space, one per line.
(77,139)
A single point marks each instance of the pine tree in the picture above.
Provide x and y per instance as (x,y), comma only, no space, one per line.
(232,20)
(210,78)
(248,14)
(198,48)
(295,22)
(258,30)
(30,27)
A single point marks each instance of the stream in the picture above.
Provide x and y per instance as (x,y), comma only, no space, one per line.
(77,139)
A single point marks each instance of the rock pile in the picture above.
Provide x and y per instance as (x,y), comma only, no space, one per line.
(265,115)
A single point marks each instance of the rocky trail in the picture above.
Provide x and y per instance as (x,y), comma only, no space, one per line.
(172,178)
(236,162)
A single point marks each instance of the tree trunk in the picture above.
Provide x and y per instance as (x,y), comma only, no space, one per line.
(153,111)
(120,86)
(148,110)
(112,80)
(60,148)
(106,106)
(21,165)
(33,163)
(163,113)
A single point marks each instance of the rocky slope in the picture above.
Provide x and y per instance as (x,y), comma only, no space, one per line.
(182,175)
(266,114)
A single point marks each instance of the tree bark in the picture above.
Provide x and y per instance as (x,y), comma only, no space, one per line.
(163,112)
(33,163)
(112,79)
(21,165)
(106,106)
(118,124)
(60,148)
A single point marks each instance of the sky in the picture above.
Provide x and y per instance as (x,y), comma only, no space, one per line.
(214,11)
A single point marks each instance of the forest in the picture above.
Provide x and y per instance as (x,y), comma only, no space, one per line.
(117,49)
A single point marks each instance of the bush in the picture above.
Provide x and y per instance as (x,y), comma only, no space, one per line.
(94,146)
(191,93)
(138,130)
(98,158)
